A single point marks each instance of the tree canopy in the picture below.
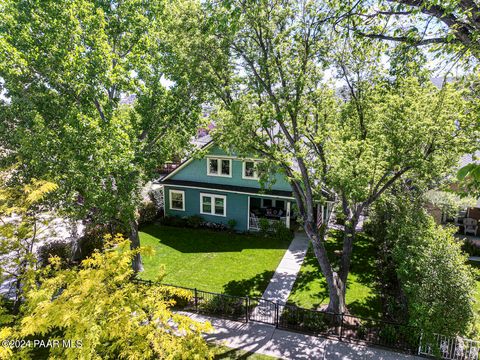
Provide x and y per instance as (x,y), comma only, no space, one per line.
(65,66)
(352,137)
(111,316)
(437,285)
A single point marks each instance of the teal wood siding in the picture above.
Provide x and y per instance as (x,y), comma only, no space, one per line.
(237,206)
(196,170)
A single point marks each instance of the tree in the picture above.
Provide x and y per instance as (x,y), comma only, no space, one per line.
(20,231)
(438,285)
(266,70)
(451,25)
(63,118)
(449,28)
(99,306)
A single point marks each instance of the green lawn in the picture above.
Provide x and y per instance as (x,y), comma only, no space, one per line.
(213,261)
(310,289)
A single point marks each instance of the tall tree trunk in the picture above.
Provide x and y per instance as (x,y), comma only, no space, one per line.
(135,244)
(336,288)
(348,239)
(349,233)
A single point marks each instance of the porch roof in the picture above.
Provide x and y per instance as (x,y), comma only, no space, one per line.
(228,188)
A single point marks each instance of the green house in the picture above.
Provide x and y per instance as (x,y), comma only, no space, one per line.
(220,187)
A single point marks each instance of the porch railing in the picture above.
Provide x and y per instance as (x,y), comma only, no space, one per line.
(254,221)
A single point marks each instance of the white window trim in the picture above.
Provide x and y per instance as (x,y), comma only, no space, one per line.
(170,192)
(255,172)
(212,200)
(274,202)
(219,166)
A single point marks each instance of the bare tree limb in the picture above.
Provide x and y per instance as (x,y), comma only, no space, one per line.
(406,39)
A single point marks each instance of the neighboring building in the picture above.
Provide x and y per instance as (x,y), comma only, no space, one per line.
(220,187)
(446,207)
(468,219)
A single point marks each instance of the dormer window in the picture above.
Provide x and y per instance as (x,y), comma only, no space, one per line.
(250,170)
(219,167)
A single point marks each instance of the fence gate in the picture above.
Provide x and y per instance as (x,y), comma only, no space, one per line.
(262,310)
(451,348)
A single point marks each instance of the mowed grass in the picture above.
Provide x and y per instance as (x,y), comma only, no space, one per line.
(234,264)
(310,289)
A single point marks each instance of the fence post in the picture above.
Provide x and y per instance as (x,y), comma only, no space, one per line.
(247,303)
(196,300)
(341,326)
(276,315)
(420,344)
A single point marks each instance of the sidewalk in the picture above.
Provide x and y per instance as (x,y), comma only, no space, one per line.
(281,284)
(267,340)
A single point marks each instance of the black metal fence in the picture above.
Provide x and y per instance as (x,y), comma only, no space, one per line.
(319,323)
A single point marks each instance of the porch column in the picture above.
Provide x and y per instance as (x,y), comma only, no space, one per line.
(248,212)
(287,220)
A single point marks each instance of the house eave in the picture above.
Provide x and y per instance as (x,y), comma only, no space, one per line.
(228,188)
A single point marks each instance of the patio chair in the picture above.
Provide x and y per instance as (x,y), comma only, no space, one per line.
(253,221)
(470,226)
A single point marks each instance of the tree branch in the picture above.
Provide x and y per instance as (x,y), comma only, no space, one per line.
(99,109)
(460,29)
(406,39)
(385,186)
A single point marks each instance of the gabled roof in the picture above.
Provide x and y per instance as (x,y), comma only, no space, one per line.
(200,144)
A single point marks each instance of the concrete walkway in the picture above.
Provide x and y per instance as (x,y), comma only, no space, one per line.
(267,340)
(282,281)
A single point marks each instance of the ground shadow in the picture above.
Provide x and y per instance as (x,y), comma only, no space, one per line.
(363,267)
(188,240)
(305,280)
(254,286)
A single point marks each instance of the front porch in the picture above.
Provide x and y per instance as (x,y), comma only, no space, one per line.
(272,209)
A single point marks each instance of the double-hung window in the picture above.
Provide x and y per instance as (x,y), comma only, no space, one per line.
(250,170)
(213,204)
(219,167)
(177,200)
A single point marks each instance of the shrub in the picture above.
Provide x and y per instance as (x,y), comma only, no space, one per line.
(88,243)
(281,231)
(436,281)
(315,322)
(470,248)
(194,221)
(181,297)
(156,197)
(214,226)
(224,305)
(58,248)
(264,225)
(176,221)
(231,224)
(147,213)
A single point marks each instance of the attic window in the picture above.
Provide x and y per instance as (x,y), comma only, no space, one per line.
(250,170)
(219,167)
